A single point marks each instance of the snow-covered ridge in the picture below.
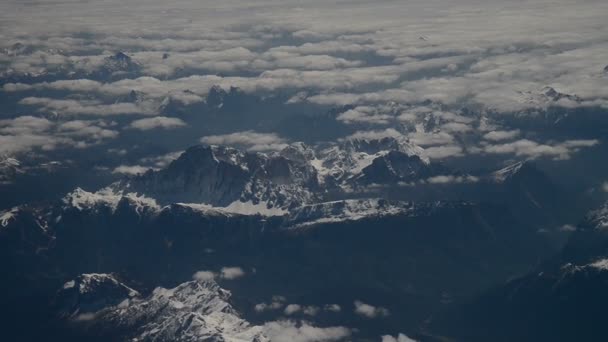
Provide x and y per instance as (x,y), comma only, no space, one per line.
(108,198)
(508,171)
(354,210)
(193,311)
(90,282)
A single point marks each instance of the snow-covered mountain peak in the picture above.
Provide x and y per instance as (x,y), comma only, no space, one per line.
(384,144)
(108,198)
(299,152)
(197,310)
(512,170)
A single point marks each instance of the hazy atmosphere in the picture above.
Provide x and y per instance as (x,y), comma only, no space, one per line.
(303,170)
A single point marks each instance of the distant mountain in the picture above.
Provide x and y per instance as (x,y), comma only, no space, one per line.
(533,196)
(564,299)
(297,222)
(299,174)
(412,258)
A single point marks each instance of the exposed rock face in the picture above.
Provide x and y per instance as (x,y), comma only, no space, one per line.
(193,311)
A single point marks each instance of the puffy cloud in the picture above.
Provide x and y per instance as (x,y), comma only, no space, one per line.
(85,107)
(399,338)
(130,169)
(449,179)
(605,186)
(292,309)
(311,310)
(379,134)
(532,149)
(25,133)
(203,275)
(502,135)
(442,152)
(456,127)
(364,114)
(290,331)
(24,125)
(231,273)
(251,140)
(567,228)
(276,303)
(332,308)
(157,122)
(431,138)
(370,311)
(90,129)
(162,160)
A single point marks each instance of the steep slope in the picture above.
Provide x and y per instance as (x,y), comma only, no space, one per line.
(193,311)
(220,176)
(564,299)
(533,196)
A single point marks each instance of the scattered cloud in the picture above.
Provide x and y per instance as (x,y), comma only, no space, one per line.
(231,273)
(203,275)
(130,170)
(449,179)
(292,309)
(502,135)
(311,310)
(332,308)
(399,338)
(370,311)
(251,140)
(378,134)
(157,122)
(531,149)
(442,152)
(291,331)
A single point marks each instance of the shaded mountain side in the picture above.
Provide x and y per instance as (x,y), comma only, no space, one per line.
(563,299)
(413,259)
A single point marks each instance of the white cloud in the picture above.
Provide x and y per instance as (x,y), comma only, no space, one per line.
(370,311)
(567,228)
(162,160)
(157,122)
(290,331)
(442,152)
(292,309)
(26,133)
(83,107)
(332,308)
(130,169)
(203,275)
(371,135)
(311,310)
(231,273)
(276,303)
(501,135)
(399,338)
(251,140)
(364,114)
(449,179)
(605,186)
(532,149)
